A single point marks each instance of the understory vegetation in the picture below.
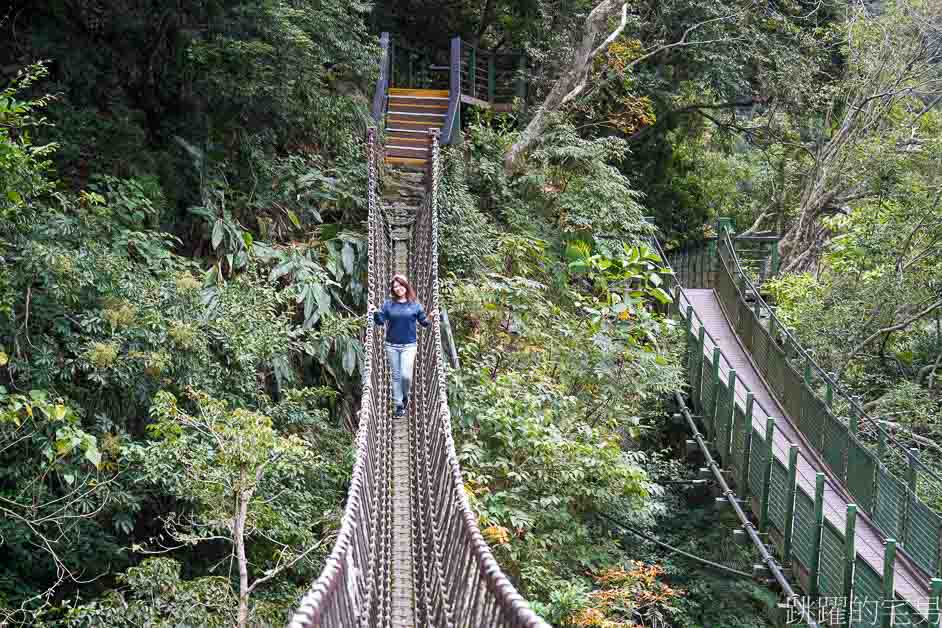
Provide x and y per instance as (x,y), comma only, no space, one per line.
(183,266)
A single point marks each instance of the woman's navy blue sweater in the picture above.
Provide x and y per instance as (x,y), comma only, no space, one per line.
(400,319)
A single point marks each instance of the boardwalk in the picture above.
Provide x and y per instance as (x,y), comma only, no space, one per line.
(911,583)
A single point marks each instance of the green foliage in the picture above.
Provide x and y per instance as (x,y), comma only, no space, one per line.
(466,233)
(589,197)
(544,403)
(98,308)
(154,594)
(23,165)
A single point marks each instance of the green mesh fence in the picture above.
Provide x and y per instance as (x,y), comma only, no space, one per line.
(744,327)
(861,467)
(721,421)
(758,455)
(707,396)
(923,531)
(792,386)
(773,364)
(726,291)
(738,458)
(834,449)
(831,563)
(813,413)
(906,615)
(868,593)
(803,528)
(693,366)
(778,495)
(890,501)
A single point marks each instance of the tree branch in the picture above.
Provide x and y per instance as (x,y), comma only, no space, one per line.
(886,330)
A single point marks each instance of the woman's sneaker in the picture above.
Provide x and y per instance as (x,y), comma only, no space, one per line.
(399,411)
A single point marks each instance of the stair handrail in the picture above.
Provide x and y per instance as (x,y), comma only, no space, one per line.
(454,92)
(382,81)
(824,375)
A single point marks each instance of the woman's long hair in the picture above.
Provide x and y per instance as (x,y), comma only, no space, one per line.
(402,281)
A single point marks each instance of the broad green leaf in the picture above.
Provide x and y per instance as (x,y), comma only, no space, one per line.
(348,257)
(293,217)
(661,296)
(282,269)
(93,456)
(218,230)
(349,358)
(323,299)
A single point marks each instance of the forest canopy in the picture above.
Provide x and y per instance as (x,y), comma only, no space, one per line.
(183,263)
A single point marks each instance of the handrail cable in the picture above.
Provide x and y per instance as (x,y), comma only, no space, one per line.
(730,496)
(825,376)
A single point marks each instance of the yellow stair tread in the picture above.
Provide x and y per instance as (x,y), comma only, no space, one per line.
(411,161)
(415,122)
(395,139)
(402,91)
(439,106)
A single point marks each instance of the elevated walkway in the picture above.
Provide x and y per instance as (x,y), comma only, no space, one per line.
(850,529)
(910,583)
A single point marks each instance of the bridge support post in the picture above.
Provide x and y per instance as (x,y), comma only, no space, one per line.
(790,503)
(698,383)
(829,395)
(889,571)
(816,535)
(935,602)
(521,87)
(776,259)
(715,375)
(491,78)
(472,71)
(912,457)
(747,445)
(767,475)
(727,449)
(850,557)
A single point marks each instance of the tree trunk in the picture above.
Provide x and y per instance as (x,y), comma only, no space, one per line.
(238,536)
(594,25)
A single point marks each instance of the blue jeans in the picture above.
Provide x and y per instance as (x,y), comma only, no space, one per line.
(401,364)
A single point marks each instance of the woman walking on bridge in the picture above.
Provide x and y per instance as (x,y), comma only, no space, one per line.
(400,314)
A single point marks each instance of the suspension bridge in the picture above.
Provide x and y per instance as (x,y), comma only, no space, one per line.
(783,439)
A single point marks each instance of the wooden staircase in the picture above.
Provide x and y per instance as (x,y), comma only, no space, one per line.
(411,115)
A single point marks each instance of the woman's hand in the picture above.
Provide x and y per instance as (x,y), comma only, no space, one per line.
(433,314)
(370,308)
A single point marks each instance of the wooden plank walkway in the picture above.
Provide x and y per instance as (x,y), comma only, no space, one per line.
(403,594)
(910,583)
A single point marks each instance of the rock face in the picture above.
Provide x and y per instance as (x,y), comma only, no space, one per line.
(404,191)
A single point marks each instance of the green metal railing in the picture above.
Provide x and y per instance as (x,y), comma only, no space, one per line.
(820,549)
(892,502)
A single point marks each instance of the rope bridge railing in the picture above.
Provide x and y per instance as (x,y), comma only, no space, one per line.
(354,588)
(456,580)
(780,480)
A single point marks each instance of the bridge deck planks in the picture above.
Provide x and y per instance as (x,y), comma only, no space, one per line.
(910,583)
